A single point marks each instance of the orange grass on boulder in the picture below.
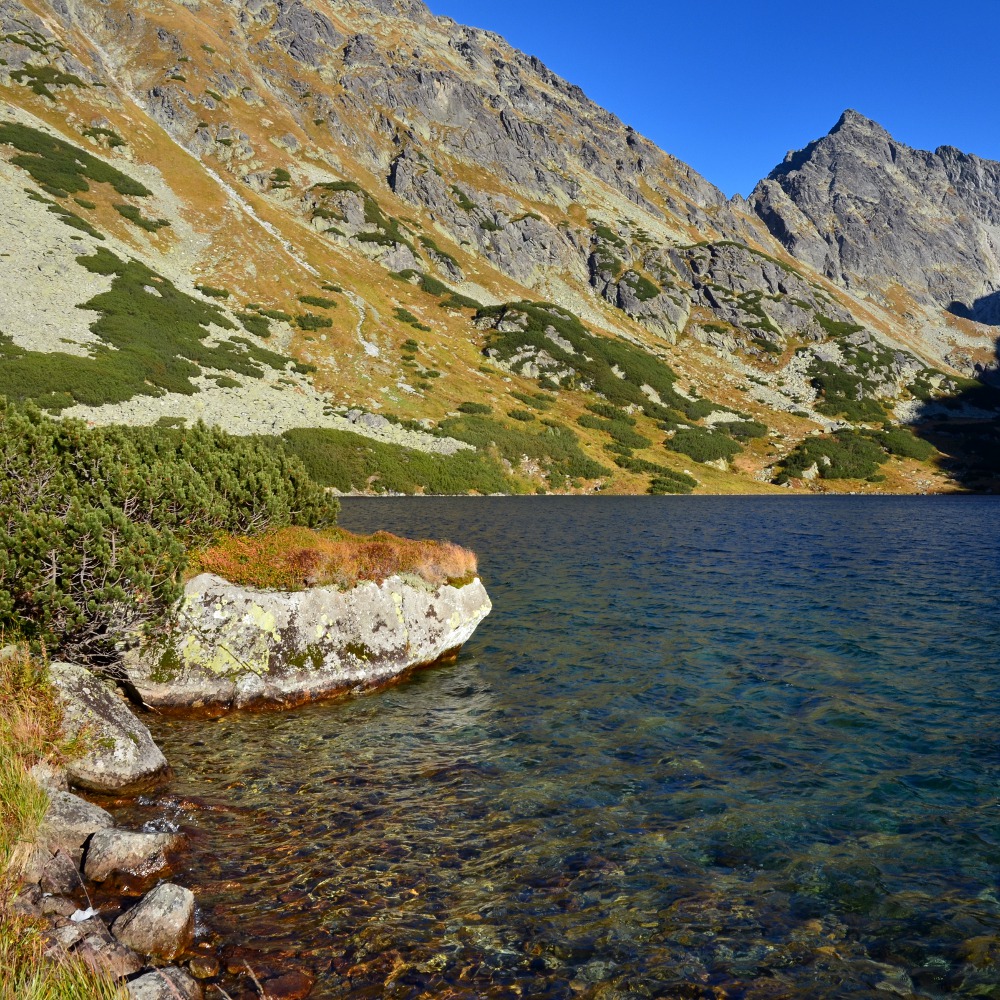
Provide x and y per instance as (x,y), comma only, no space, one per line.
(297,558)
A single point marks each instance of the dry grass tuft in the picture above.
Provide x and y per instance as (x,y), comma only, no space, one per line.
(297,558)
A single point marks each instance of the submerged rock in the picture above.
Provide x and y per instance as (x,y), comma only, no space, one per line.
(237,647)
(122,754)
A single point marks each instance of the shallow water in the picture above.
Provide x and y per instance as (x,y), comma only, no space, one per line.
(703,747)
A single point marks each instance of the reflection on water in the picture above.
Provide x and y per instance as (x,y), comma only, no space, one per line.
(704,747)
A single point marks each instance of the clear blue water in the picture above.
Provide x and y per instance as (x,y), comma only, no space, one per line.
(703,747)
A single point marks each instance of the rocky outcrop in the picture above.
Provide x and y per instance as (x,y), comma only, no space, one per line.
(869,212)
(121,754)
(236,647)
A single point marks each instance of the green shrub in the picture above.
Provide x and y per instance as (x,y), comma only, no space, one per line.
(349,461)
(256,324)
(525,416)
(620,431)
(554,447)
(113,139)
(318,301)
(611,413)
(63,166)
(136,217)
(457,301)
(40,78)
(309,321)
(463,200)
(660,485)
(475,408)
(644,288)
(95,524)
(277,315)
(843,394)
(904,443)
(428,244)
(843,455)
(702,445)
(836,328)
(214,293)
(149,342)
(743,430)
(405,316)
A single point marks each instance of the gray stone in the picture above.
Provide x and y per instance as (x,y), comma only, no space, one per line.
(138,854)
(161,924)
(70,820)
(124,755)
(165,984)
(235,647)
(60,876)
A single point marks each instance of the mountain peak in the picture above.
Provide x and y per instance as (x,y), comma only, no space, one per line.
(852,121)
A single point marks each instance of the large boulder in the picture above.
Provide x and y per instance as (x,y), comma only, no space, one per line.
(237,647)
(161,924)
(122,754)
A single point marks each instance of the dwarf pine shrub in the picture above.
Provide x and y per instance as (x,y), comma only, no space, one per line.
(95,524)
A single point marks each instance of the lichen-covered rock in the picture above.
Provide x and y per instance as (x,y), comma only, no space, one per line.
(161,924)
(70,821)
(122,755)
(165,984)
(236,647)
(122,851)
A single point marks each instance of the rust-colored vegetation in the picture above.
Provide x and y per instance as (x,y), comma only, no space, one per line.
(296,558)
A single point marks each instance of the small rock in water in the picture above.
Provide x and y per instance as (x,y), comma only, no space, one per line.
(290,986)
(165,984)
(161,924)
(120,851)
(204,966)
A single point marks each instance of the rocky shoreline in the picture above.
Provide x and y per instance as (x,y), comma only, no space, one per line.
(104,892)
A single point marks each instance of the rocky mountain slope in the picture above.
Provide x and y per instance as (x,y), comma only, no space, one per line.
(422,261)
(919,231)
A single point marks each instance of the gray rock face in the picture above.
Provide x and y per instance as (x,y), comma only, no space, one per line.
(868,211)
(121,851)
(70,821)
(161,924)
(235,647)
(124,755)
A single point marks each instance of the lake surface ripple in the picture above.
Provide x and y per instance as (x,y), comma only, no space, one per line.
(703,747)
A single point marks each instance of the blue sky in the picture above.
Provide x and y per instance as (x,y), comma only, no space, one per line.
(729,87)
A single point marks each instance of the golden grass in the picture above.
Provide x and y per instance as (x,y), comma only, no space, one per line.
(31,731)
(297,558)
